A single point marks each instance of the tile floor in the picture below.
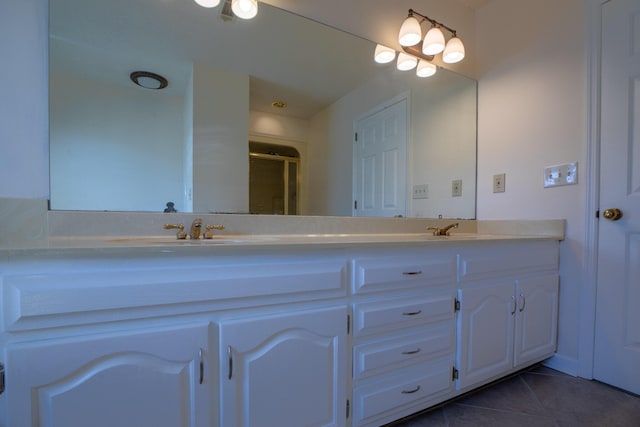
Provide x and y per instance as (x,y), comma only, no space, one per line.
(540,397)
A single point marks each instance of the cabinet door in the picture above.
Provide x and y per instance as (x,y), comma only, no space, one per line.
(285,369)
(150,378)
(485,332)
(536,319)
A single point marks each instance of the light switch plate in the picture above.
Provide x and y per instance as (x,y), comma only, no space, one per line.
(421,191)
(565,174)
(456,188)
(499,185)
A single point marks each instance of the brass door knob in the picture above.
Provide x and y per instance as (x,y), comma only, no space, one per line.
(612,214)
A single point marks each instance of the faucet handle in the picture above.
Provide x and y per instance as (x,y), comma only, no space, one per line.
(180,234)
(434,230)
(208,233)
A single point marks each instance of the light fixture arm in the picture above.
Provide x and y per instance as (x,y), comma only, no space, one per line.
(432,21)
(416,51)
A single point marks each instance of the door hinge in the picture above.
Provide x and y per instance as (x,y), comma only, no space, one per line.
(355,204)
(348,324)
(348,408)
(356,136)
(598,214)
(456,305)
(454,373)
(1,378)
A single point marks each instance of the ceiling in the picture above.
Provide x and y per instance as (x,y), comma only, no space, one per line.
(316,66)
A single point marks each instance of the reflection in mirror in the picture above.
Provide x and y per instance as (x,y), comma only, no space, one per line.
(118,146)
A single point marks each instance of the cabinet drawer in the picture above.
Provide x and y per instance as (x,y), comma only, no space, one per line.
(66,293)
(383,356)
(509,259)
(422,384)
(428,270)
(400,313)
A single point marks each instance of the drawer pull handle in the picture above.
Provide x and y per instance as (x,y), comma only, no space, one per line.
(411,313)
(411,391)
(417,350)
(201,364)
(230,360)
(412,273)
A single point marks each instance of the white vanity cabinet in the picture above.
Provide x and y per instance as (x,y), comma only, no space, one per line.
(404,333)
(348,334)
(508,303)
(284,369)
(128,379)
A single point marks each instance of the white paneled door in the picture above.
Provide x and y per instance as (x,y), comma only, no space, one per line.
(617,340)
(380,161)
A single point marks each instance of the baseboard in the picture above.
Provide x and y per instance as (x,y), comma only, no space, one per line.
(563,364)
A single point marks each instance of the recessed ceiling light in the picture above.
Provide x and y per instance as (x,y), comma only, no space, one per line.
(148,80)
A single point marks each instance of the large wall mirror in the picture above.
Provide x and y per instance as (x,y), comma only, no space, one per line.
(116,146)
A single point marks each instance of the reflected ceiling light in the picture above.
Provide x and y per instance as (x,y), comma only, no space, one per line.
(245,9)
(454,52)
(406,62)
(425,69)
(148,80)
(384,54)
(434,43)
(208,3)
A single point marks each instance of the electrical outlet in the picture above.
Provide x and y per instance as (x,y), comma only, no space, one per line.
(566,174)
(421,191)
(456,188)
(499,183)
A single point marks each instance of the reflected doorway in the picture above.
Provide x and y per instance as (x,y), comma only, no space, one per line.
(273,179)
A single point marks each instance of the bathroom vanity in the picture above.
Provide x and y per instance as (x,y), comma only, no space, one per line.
(313,330)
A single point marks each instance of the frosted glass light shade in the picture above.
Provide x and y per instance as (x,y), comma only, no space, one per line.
(410,32)
(425,69)
(454,52)
(406,62)
(245,9)
(208,3)
(433,42)
(384,54)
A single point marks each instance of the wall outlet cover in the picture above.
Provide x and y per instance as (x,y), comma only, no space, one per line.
(565,174)
(499,185)
(456,188)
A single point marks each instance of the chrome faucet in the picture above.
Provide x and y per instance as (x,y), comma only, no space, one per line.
(437,231)
(196,228)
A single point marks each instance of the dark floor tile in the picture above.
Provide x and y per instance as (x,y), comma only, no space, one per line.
(512,395)
(543,370)
(578,402)
(459,415)
(433,418)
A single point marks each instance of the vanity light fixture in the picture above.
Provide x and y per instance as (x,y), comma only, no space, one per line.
(425,69)
(434,42)
(406,62)
(148,80)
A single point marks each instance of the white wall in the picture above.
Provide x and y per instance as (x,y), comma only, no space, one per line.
(220,140)
(532,114)
(442,121)
(24,110)
(124,141)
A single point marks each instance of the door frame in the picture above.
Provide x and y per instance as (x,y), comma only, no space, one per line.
(587,316)
(404,96)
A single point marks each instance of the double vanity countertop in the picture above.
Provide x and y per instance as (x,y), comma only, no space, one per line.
(468,231)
